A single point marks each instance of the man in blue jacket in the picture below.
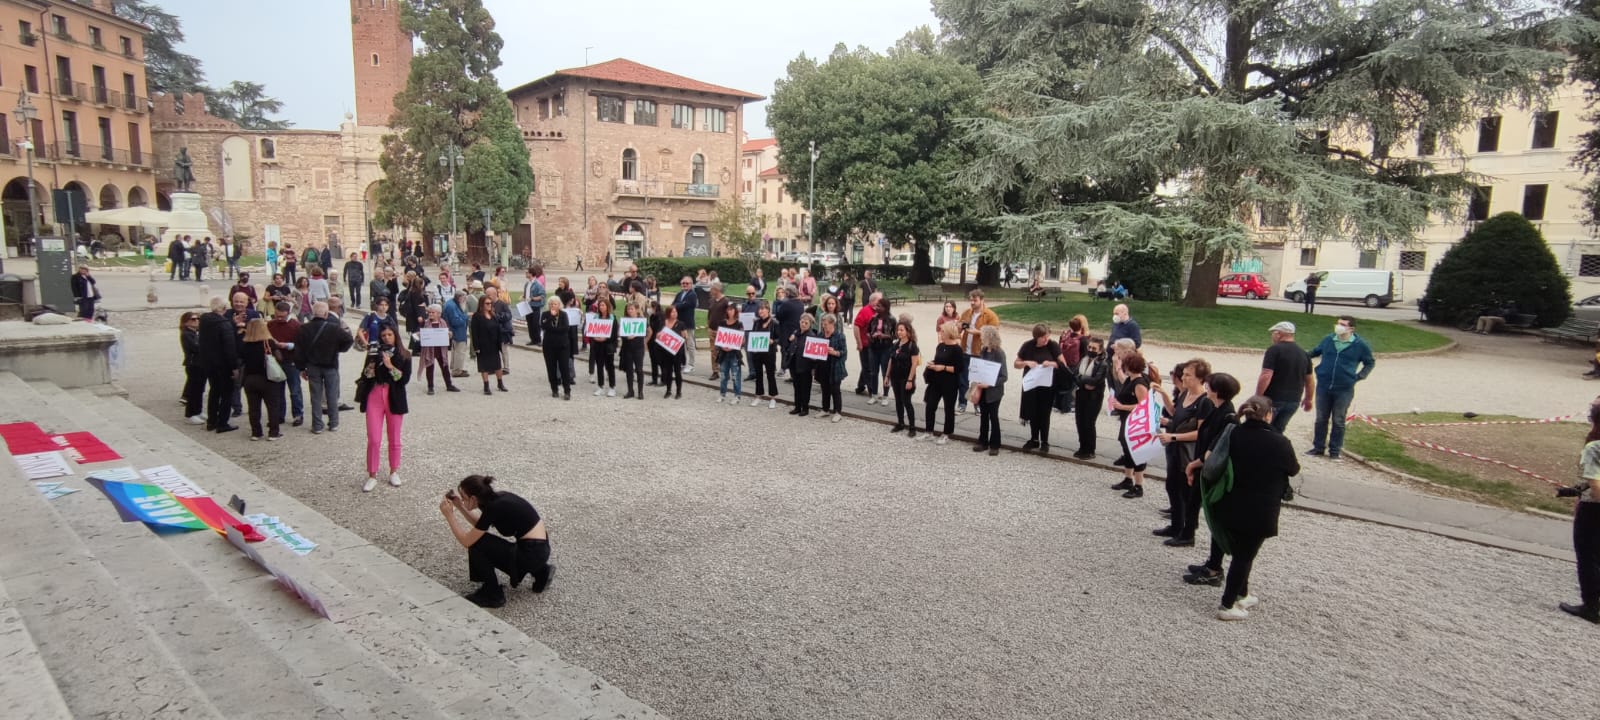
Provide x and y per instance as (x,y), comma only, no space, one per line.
(1346,360)
(686,302)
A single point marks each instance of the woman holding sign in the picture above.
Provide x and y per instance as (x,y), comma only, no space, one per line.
(486,342)
(730,365)
(903,362)
(763,361)
(985,397)
(437,355)
(804,365)
(1132,389)
(831,370)
(1038,359)
(557,348)
(602,333)
(632,330)
(671,339)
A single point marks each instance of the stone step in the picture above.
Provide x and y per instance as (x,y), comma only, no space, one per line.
(253,648)
(26,688)
(524,672)
(428,678)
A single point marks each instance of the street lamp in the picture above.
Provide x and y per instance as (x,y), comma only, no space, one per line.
(26,113)
(811,198)
(452,159)
(489,241)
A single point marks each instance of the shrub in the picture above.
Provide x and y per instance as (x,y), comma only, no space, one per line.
(1148,275)
(1503,260)
(886,271)
(729,270)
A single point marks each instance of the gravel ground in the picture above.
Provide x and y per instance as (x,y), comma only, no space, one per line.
(737,563)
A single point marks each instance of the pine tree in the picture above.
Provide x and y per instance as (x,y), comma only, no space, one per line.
(1127,124)
(452,100)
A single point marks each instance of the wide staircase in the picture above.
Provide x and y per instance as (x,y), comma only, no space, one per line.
(104,618)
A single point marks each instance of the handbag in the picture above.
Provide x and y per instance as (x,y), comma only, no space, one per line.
(1218,463)
(275,371)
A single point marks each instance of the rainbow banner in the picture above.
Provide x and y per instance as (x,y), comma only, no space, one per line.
(163,512)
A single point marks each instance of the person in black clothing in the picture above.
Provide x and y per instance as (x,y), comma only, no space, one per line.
(1040,353)
(763,365)
(355,278)
(1131,389)
(508,332)
(486,341)
(786,312)
(259,389)
(880,345)
(175,255)
(84,292)
(1244,516)
(903,362)
(802,367)
(1221,389)
(1313,282)
(316,354)
(685,302)
(1088,395)
(219,354)
(943,377)
(633,356)
(557,348)
(471,509)
(604,352)
(1188,408)
(1286,376)
(194,373)
(653,325)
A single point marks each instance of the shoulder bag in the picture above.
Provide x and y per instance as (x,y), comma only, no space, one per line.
(275,371)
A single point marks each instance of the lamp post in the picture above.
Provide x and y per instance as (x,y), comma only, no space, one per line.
(488,235)
(452,159)
(26,113)
(811,198)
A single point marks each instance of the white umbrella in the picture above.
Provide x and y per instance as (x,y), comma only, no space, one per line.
(141,215)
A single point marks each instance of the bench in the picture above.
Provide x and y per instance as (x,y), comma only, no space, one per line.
(1574,330)
(931,297)
(1522,321)
(894,299)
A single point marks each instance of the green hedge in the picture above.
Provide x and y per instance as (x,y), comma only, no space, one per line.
(1148,275)
(886,271)
(729,270)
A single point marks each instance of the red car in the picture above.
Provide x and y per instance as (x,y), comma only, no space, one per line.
(1249,285)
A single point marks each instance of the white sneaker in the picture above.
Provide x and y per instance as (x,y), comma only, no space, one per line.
(196,420)
(394,479)
(1233,613)
(872,399)
(836,417)
(722,399)
(755,402)
(371,483)
(1247,602)
(591,379)
(943,440)
(611,392)
(688,369)
(737,401)
(772,404)
(599,392)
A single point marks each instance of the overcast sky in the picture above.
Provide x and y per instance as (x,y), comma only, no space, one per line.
(301,49)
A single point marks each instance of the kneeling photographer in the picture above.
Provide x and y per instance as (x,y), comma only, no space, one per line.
(475,506)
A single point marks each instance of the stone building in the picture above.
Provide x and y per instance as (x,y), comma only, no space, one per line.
(627,160)
(80,69)
(303,186)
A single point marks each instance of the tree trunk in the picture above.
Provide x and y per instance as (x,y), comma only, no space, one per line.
(988,274)
(1204,271)
(921,268)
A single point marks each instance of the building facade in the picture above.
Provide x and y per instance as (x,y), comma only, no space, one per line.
(78,70)
(628,160)
(302,186)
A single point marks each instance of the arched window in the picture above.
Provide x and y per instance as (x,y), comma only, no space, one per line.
(698,176)
(630,164)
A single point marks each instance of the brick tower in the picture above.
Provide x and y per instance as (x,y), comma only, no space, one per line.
(382,55)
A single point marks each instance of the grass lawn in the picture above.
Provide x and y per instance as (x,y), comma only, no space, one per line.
(1549,450)
(1227,326)
(138,261)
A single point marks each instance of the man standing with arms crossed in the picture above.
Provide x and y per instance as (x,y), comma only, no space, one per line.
(686,303)
(1346,360)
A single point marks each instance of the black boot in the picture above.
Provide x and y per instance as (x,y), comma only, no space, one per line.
(486,388)
(502,385)
(488,596)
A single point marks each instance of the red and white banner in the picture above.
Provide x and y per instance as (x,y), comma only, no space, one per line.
(729,338)
(669,341)
(598,328)
(816,348)
(1142,425)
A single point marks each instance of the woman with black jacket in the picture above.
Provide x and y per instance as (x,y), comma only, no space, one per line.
(1189,407)
(803,367)
(1243,511)
(903,361)
(633,356)
(1037,355)
(254,349)
(486,343)
(1088,395)
(943,376)
(194,371)
(673,367)
(381,394)
(603,352)
(1221,389)
(764,364)
(557,348)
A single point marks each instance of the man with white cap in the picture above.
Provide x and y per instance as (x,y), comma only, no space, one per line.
(1286,376)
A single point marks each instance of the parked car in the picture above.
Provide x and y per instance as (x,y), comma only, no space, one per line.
(1247,285)
(826,258)
(1587,308)
(1373,288)
(795,257)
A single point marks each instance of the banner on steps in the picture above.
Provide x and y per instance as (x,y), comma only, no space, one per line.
(162,511)
(84,447)
(43,466)
(25,438)
(305,592)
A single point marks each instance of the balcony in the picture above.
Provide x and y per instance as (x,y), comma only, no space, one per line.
(78,152)
(128,101)
(101,95)
(29,39)
(656,188)
(66,88)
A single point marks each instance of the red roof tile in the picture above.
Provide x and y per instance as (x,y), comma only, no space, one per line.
(758,145)
(622,70)
(770,172)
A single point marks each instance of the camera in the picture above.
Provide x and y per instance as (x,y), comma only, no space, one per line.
(1568,492)
(450,494)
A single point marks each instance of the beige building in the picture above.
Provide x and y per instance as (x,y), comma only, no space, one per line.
(80,70)
(628,160)
(1525,156)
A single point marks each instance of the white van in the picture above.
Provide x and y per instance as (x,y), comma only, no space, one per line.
(902,258)
(1374,288)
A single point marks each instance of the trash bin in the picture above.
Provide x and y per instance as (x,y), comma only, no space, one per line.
(11,305)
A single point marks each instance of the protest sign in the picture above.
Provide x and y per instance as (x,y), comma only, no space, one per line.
(816,348)
(435,337)
(1142,426)
(1038,377)
(574,316)
(598,328)
(747,320)
(524,309)
(729,338)
(43,466)
(984,372)
(669,341)
(758,342)
(632,327)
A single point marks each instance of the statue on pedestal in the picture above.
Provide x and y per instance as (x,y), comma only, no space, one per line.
(183,171)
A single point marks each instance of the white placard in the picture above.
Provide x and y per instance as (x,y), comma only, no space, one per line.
(574,316)
(1038,377)
(758,342)
(524,309)
(434,337)
(632,327)
(983,372)
(747,320)
(43,466)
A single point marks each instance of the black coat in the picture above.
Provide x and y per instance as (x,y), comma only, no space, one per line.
(320,341)
(1263,462)
(486,333)
(219,348)
(381,376)
(554,328)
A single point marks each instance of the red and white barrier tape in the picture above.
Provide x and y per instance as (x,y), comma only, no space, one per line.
(1451,451)
(1370,420)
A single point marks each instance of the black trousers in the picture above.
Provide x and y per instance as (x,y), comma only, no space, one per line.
(830,387)
(1191,511)
(672,370)
(633,367)
(905,410)
(194,392)
(491,553)
(604,359)
(1244,558)
(1586,544)
(533,326)
(1178,488)
(355,293)
(1037,406)
(802,390)
(763,366)
(942,391)
(219,403)
(259,390)
(1086,410)
(559,370)
(989,424)
(1126,460)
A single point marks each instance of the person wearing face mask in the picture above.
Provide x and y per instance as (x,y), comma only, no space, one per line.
(1089,394)
(1124,326)
(1346,360)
